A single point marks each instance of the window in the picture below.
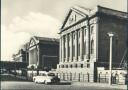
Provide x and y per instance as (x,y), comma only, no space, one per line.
(66,66)
(62,66)
(88,65)
(76,65)
(70,66)
(92,47)
(81,65)
(51,74)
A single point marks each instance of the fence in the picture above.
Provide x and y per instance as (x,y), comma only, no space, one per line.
(116,78)
(79,77)
(75,77)
(101,78)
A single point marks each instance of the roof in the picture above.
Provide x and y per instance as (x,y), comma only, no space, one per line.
(100,9)
(87,12)
(112,12)
(46,39)
(42,40)
(82,10)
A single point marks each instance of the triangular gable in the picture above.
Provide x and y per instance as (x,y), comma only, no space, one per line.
(73,16)
(33,41)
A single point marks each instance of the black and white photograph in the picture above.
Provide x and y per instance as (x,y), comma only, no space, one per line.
(64,45)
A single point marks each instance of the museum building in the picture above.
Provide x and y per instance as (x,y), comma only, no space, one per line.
(85,44)
(43,53)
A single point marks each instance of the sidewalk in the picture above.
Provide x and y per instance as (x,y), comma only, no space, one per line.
(104,85)
(20,77)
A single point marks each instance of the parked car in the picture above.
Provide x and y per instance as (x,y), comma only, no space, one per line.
(46,78)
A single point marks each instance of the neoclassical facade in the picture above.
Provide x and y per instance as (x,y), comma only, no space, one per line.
(20,56)
(43,53)
(84,43)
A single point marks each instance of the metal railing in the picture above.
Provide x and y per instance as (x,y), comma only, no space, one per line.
(101,78)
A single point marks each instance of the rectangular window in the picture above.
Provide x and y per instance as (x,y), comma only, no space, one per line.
(88,65)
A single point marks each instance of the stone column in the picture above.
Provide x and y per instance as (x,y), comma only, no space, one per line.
(66,47)
(71,47)
(62,48)
(38,55)
(81,44)
(34,59)
(76,45)
(87,42)
(29,57)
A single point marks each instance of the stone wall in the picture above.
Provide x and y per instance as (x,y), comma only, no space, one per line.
(118,26)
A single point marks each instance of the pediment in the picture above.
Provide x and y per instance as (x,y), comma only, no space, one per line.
(33,42)
(73,17)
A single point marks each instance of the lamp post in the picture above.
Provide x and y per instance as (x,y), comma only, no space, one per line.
(110,58)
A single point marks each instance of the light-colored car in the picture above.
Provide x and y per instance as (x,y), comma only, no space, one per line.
(46,78)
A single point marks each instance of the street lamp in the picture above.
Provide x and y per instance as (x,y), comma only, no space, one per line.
(111,34)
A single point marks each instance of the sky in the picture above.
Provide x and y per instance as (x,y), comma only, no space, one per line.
(22,19)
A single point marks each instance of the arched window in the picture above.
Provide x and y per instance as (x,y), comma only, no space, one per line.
(92,47)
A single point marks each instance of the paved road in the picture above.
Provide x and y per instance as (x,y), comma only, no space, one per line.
(10,82)
(24,85)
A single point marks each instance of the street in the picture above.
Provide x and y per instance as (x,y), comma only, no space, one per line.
(24,85)
(13,83)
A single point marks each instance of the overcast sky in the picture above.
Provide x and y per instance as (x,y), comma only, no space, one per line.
(22,19)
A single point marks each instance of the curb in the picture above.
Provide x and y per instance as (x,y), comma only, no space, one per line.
(115,86)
